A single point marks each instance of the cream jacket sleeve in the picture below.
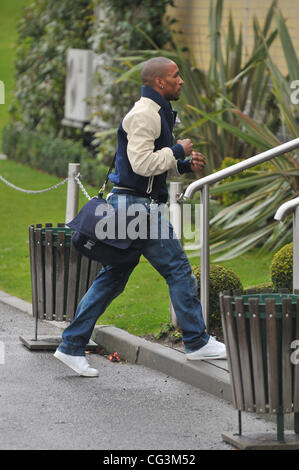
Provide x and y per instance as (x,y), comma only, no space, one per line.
(143,126)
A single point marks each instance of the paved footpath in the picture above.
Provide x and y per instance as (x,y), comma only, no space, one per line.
(44,405)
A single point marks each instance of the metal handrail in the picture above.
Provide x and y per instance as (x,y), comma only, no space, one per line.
(203,185)
(241,166)
(286,208)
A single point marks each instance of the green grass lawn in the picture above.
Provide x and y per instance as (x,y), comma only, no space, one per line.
(10,11)
(142,307)
(17,211)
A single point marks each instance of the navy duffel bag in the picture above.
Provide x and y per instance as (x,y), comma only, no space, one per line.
(109,250)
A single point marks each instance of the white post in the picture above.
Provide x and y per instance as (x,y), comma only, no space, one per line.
(72,197)
(176,219)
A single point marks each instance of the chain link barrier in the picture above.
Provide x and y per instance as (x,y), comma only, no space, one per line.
(29,191)
(78,181)
(55,186)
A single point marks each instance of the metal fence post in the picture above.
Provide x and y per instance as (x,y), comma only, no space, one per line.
(72,197)
(296,279)
(205,253)
(284,209)
(176,219)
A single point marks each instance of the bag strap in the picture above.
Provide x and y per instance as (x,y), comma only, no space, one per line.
(158,183)
(101,192)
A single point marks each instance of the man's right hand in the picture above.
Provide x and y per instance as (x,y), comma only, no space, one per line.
(187,146)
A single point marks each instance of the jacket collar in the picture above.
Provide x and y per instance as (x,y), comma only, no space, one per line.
(148,92)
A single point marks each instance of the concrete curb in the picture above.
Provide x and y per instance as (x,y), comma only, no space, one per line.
(210,376)
(16,302)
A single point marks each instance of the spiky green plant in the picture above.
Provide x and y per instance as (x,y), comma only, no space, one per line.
(250,221)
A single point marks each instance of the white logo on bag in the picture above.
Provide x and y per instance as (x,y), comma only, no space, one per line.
(89,244)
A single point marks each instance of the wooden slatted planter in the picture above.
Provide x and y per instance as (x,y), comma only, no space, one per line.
(258,332)
(59,275)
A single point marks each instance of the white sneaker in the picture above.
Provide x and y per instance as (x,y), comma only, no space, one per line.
(78,363)
(212,350)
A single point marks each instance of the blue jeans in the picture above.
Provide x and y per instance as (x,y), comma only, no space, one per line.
(169,259)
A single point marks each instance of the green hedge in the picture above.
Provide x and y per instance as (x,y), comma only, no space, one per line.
(93,172)
(221,279)
(282,268)
(51,155)
(260,288)
(46,30)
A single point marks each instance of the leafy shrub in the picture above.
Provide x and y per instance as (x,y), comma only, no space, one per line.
(166,328)
(259,288)
(169,332)
(230,197)
(48,28)
(221,279)
(227,198)
(93,172)
(282,268)
(41,151)
(46,31)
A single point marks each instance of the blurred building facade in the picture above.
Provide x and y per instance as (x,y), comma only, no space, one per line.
(193,21)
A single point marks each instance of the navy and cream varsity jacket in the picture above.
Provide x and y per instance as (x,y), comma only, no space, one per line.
(145,147)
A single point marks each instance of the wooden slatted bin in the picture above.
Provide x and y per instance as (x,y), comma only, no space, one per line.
(60,276)
(260,333)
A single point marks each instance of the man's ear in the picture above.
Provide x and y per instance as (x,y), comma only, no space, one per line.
(159,82)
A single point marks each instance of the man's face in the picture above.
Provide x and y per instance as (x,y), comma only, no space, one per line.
(171,82)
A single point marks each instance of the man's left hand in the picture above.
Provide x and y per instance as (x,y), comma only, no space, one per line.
(198,161)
